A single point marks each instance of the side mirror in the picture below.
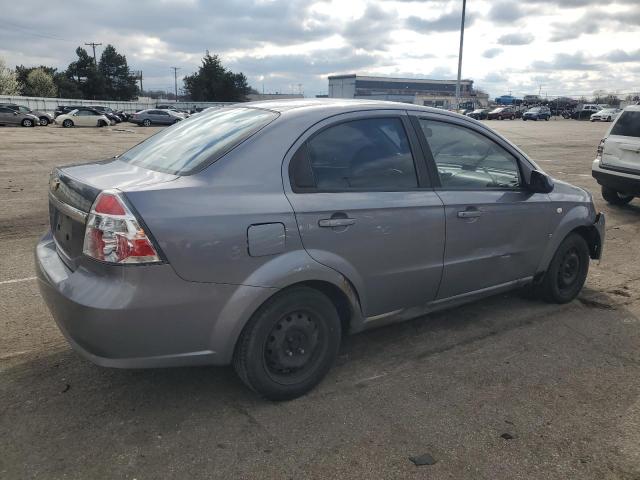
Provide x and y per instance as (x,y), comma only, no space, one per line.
(15,113)
(540,182)
(75,114)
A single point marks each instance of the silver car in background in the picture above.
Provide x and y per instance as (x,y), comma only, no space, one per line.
(9,116)
(156,116)
(259,234)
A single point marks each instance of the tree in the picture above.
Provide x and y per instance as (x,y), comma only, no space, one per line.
(8,80)
(40,84)
(212,82)
(118,81)
(84,72)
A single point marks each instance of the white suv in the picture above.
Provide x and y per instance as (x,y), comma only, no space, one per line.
(617,163)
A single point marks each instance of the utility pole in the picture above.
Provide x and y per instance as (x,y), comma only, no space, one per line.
(175,80)
(464,7)
(94,45)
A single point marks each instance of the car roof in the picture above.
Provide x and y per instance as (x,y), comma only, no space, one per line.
(330,104)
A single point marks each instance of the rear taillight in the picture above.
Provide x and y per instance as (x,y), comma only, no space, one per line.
(600,150)
(114,235)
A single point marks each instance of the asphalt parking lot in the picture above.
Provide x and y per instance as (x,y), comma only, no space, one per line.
(506,388)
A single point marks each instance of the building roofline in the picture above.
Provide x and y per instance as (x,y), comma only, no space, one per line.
(396,79)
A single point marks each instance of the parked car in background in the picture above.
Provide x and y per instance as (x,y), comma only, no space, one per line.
(585,112)
(155,117)
(537,113)
(183,113)
(108,112)
(85,117)
(605,115)
(251,235)
(479,113)
(617,164)
(9,116)
(44,118)
(502,113)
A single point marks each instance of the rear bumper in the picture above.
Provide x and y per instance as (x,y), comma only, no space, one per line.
(143,316)
(623,182)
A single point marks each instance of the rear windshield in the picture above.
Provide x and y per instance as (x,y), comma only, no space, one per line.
(198,141)
(628,125)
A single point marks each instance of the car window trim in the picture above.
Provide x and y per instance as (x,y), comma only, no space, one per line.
(431,164)
(419,164)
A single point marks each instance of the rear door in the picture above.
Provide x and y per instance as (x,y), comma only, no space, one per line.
(8,116)
(364,207)
(622,146)
(496,229)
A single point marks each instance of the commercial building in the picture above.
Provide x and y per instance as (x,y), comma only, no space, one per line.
(431,93)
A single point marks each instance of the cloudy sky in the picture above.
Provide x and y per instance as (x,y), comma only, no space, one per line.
(522,46)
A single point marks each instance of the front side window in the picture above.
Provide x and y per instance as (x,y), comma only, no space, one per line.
(367,154)
(466,159)
(628,124)
(190,145)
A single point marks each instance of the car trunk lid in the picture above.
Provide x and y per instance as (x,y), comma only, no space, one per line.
(73,189)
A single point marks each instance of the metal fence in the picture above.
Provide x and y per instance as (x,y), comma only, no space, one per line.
(50,104)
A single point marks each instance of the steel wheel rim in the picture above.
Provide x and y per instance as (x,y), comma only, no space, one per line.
(294,346)
(569,270)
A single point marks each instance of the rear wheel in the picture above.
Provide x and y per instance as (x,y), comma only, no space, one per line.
(146,122)
(67,123)
(44,121)
(567,271)
(614,197)
(499,117)
(546,119)
(289,344)
(27,122)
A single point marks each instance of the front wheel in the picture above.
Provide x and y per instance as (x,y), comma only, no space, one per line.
(146,122)
(289,344)
(546,119)
(44,121)
(614,197)
(567,271)
(499,118)
(67,123)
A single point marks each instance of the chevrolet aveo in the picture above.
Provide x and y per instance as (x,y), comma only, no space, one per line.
(259,234)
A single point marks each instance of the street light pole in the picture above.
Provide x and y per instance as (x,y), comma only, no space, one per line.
(464,7)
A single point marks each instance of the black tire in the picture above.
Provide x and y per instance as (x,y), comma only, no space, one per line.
(546,119)
(524,119)
(567,271)
(302,327)
(499,118)
(513,117)
(27,122)
(67,123)
(146,122)
(102,123)
(614,197)
(44,121)
(608,119)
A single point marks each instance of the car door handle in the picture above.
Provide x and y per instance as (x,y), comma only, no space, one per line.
(469,214)
(336,222)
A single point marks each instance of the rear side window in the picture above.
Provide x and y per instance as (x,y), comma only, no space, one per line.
(628,125)
(196,142)
(367,154)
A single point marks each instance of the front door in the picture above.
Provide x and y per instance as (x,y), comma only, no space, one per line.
(496,229)
(364,208)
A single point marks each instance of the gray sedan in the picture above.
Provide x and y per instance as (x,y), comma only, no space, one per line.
(259,234)
(155,117)
(9,116)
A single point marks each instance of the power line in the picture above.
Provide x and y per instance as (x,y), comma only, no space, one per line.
(32,32)
(94,45)
(175,79)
